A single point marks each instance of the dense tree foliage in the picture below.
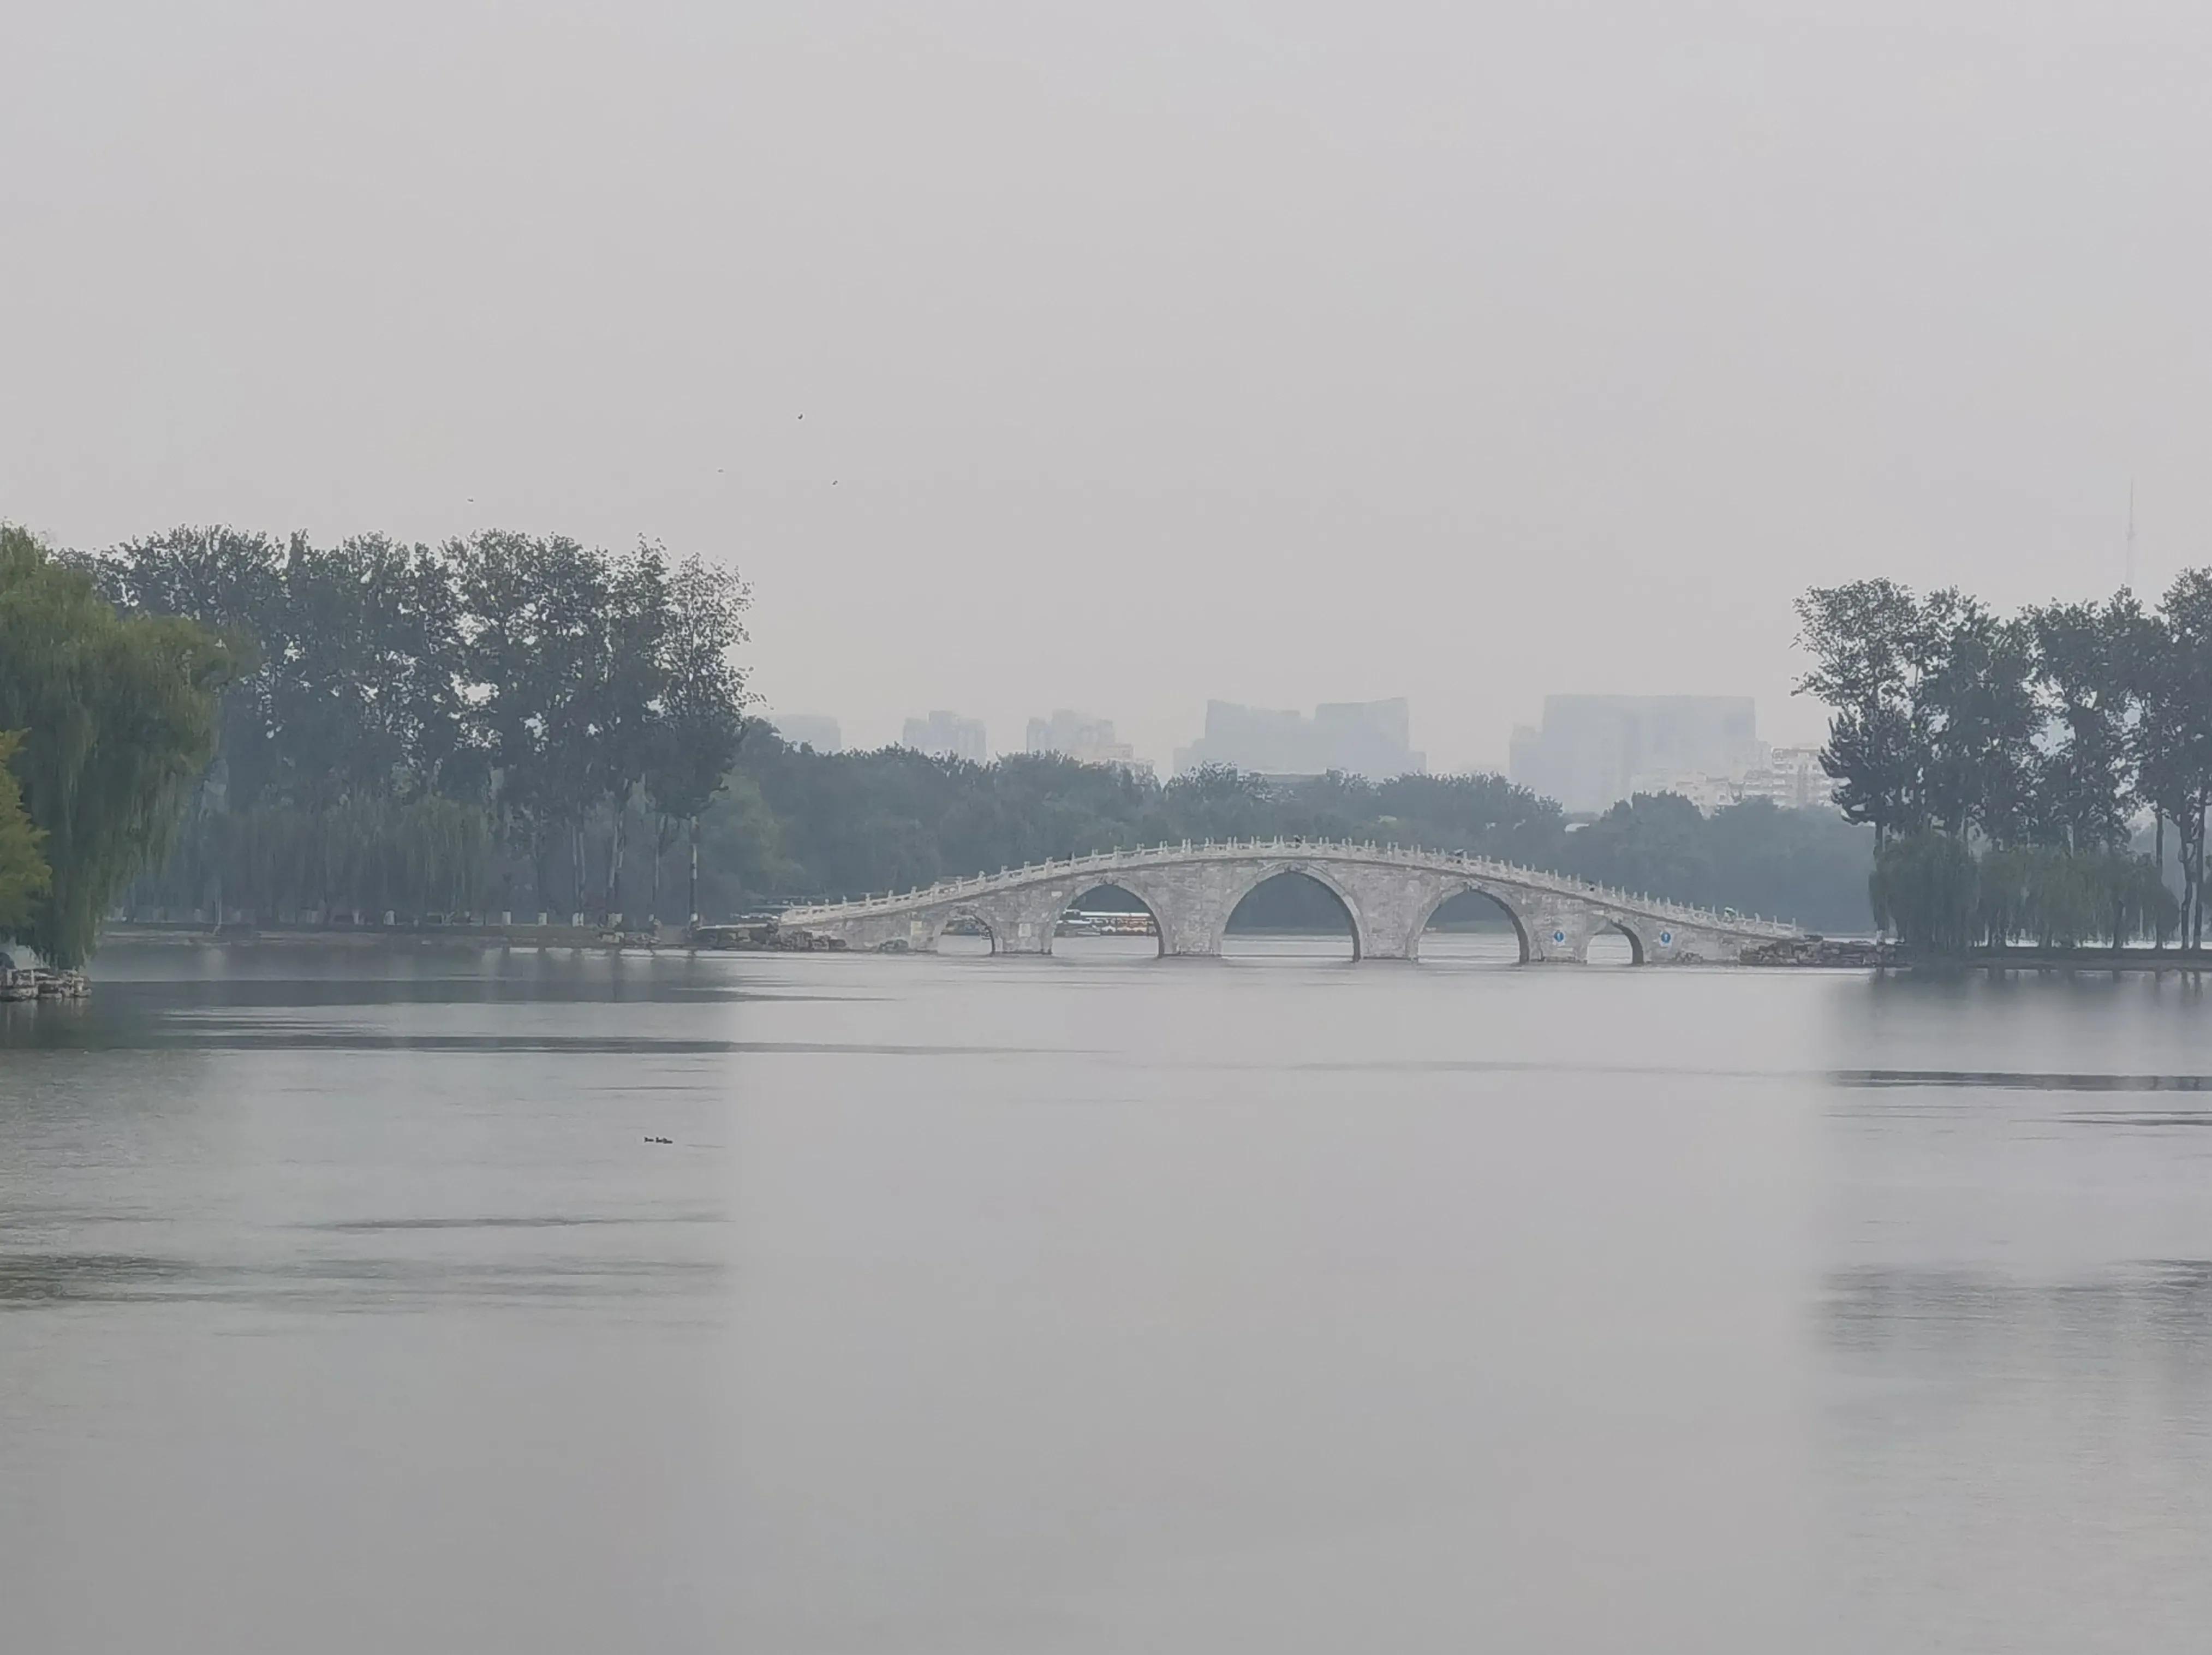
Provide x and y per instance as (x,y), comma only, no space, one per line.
(427,731)
(799,822)
(23,871)
(527,723)
(2002,762)
(1925,891)
(894,818)
(1936,894)
(118,715)
(1808,865)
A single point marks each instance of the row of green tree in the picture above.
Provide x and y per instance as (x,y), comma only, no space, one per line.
(1937,895)
(799,822)
(218,723)
(425,729)
(792,822)
(523,724)
(2002,761)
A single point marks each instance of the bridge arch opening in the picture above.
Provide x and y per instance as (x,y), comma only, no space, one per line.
(966,934)
(1613,944)
(1108,921)
(1291,914)
(1470,926)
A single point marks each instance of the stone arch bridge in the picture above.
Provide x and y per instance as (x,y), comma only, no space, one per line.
(1389,894)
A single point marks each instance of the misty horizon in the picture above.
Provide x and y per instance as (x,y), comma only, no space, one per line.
(1279,355)
(797,725)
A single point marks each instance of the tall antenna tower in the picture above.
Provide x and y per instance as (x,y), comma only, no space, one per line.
(2131,533)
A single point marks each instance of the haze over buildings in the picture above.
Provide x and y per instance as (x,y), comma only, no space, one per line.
(812,729)
(1079,736)
(945,735)
(1361,738)
(1592,751)
(1589,752)
(1792,777)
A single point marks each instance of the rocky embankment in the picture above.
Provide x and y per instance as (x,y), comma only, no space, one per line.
(764,935)
(1841,951)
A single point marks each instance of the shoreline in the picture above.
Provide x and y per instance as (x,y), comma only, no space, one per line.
(2157,959)
(380,936)
(399,938)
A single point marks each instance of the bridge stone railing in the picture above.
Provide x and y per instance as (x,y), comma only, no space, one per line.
(1384,887)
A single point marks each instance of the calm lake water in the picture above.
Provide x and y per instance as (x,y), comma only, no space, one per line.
(1100,1304)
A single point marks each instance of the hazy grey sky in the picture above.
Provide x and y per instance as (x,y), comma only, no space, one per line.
(1147,352)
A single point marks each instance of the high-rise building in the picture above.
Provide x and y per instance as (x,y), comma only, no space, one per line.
(810,729)
(1078,735)
(947,736)
(1592,751)
(1792,777)
(1361,738)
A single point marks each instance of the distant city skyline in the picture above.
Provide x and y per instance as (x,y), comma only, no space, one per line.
(812,729)
(1361,738)
(945,734)
(1591,752)
(1800,725)
(1081,737)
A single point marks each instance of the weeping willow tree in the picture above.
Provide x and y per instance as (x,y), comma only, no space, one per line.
(1925,889)
(120,716)
(1939,897)
(360,857)
(2055,898)
(2136,901)
(23,871)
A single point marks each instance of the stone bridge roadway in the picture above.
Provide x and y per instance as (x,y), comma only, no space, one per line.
(1388,892)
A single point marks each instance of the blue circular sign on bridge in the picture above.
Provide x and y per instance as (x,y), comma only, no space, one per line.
(1666,939)
(1558,937)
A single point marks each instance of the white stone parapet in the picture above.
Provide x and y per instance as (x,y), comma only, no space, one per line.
(1387,890)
